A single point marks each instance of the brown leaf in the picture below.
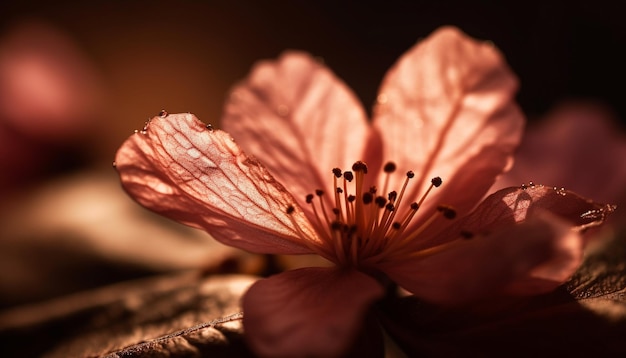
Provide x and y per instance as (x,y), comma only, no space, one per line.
(181,314)
(585,317)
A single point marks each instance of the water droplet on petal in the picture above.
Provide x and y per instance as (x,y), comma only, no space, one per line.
(163,113)
(523,186)
(136,131)
(210,127)
(114,164)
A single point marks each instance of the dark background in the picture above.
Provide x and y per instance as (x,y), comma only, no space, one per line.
(184,55)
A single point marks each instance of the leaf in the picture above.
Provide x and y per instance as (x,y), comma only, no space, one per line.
(585,317)
(168,316)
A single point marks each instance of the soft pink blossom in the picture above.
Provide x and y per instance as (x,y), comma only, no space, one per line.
(445,111)
(577,145)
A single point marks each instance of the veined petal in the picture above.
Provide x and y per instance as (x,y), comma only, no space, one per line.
(300,120)
(515,204)
(512,205)
(521,256)
(447,109)
(198,176)
(310,312)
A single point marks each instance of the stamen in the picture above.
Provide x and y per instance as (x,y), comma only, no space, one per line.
(320,193)
(305,238)
(337,174)
(362,224)
(434,182)
(359,166)
(360,169)
(448,211)
(389,168)
(309,200)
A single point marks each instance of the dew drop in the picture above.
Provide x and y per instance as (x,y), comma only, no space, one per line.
(523,186)
(210,127)
(531,184)
(114,164)
(163,113)
(136,131)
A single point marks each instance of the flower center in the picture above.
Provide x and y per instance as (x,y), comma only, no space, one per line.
(365,221)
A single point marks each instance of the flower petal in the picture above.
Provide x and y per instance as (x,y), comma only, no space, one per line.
(198,176)
(447,109)
(579,146)
(525,254)
(515,204)
(310,312)
(300,120)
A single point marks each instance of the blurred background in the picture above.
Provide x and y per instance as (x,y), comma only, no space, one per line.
(76,78)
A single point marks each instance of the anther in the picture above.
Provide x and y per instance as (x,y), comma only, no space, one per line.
(392,195)
(390,207)
(348,176)
(319,192)
(414,206)
(380,201)
(336,225)
(290,209)
(410,174)
(359,167)
(351,198)
(436,181)
(448,212)
(396,225)
(467,234)
(367,198)
(373,189)
(337,172)
(309,198)
(339,190)
(390,167)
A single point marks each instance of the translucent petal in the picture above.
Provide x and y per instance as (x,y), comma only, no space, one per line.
(310,312)
(447,109)
(199,176)
(300,121)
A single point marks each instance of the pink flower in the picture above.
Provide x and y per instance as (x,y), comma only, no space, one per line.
(445,111)
(578,145)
